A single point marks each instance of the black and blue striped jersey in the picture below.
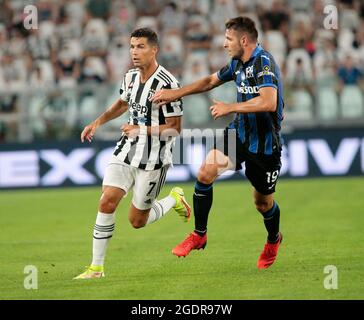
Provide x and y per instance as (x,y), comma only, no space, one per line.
(260,131)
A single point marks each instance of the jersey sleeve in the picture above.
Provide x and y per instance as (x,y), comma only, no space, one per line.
(174,108)
(265,72)
(123,90)
(127,86)
(226,73)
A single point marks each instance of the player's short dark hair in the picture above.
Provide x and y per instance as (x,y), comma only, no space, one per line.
(146,33)
(243,24)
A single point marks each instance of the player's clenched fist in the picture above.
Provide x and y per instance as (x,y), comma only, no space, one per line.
(219,109)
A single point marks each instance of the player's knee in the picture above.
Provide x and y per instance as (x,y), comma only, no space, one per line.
(108,204)
(262,206)
(137,223)
(207,174)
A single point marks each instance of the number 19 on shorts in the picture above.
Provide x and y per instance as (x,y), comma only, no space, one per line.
(272,176)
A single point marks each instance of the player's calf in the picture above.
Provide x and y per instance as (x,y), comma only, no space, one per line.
(138,218)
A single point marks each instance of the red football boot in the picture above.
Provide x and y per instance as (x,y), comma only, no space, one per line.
(269,253)
(193,241)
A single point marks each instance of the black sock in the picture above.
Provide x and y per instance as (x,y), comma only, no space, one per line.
(271,222)
(202,201)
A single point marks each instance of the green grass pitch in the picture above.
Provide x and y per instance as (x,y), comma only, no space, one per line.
(322,221)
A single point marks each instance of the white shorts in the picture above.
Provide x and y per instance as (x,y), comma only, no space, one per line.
(146,184)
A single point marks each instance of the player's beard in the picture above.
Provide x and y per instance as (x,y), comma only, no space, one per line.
(239,54)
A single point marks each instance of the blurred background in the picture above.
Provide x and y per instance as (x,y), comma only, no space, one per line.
(59,77)
(56,79)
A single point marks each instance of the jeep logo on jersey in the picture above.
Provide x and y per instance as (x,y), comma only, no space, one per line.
(138,107)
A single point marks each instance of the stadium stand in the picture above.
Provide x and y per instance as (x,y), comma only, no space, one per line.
(54,79)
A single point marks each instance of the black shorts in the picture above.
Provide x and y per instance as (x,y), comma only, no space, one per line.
(261,170)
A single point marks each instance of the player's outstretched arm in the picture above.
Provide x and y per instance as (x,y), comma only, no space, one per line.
(165,96)
(114,111)
(265,102)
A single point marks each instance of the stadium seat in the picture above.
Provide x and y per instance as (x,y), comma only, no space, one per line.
(302,105)
(196,110)
(225,93)
(351,102)
(88,109)
(277,45)
(36,103)
(111,129)
(291,63)
(328,104)
(345,39)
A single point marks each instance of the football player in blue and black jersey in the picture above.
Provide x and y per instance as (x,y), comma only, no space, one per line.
(252,138)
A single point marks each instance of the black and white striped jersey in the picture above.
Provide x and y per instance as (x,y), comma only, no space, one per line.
(145,151)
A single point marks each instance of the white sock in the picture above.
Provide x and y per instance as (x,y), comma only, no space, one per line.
(103,231)
(160,208)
